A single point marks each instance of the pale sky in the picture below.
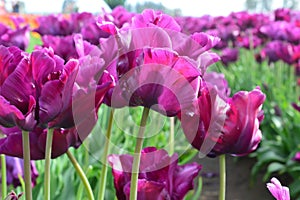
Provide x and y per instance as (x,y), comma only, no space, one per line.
(201,7)
(188,7)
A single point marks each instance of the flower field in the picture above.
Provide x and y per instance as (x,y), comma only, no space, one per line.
(126,105)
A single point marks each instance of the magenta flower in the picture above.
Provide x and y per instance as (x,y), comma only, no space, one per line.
(214,79)
(229,55)
(147,85)
(33,88)
(62,139)
(151,18)
(248,41)
(281,30)
(277,50)
(92,33)
(15,168)
(54,25)
(13,196)
(297,157)
(161,71)
(19,36)
(225,126)
(91,85)
(277,190)
(295,105)
(63,46)
(282,14)
(119,16)
(160,177)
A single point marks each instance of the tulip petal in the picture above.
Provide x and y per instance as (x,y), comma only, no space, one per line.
(147,190)
(9,114)
(184,179)
(50,102)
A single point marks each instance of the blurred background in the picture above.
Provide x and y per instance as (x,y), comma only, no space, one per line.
(174,7)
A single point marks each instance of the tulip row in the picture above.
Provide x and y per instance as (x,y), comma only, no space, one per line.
(52,96)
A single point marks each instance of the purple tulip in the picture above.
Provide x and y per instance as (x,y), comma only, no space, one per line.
(91,85)
(164,63)
(296,106)
(119,17)
(54,25)
(160,177)
(225,126)
(282,14)
(79,20)
(62,139)
(150,18)
(297,157)
(218,80)
(147,84)
(92,33)
(19,36)
(33,89)
(281,30)
(278,50)
(60,25)
(63,46)
(277,190)
(229,55)
(248,41)
(14,169)
(66,47)
(13,196)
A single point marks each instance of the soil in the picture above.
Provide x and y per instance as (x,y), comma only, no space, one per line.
(238,180)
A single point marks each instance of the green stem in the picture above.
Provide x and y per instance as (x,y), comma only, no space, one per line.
(47,164)
(3,176)
(104,158)
(171,136)
(27,166)
(222,160)
(21,181)
(85,167)
(199,189)
(137,157)
(81,175)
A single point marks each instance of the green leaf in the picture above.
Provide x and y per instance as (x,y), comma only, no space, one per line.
(273,168)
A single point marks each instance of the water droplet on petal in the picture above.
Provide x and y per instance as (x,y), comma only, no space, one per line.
(191,114)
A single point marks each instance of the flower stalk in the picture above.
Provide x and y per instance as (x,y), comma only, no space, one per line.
(171,136)
(82,176)
(222,163)
(47,164)
(104,158)
(27,166)
(3,176)
(137,155)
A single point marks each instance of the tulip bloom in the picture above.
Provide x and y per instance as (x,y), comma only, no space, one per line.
(63,46)
(158,71)
(160,177)
(13,196)
(150,18)
(14,169)
(147,85)
(218,80)
(225,126)
(59,25)
(229,55)
(296,106)
(33,89)
(297,157)
(277,190)
(91,85)
(62,139)
(15,37)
